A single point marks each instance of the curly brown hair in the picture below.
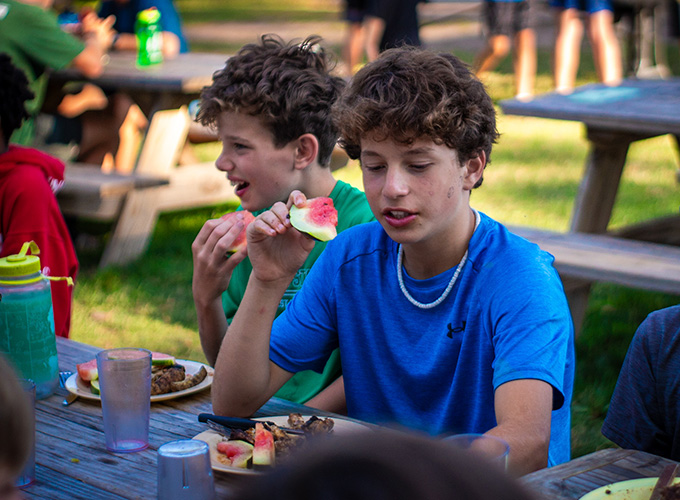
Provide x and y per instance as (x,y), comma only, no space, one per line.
(14,92)
(287,85)
(410,93)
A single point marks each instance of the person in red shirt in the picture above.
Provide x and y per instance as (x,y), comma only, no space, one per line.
(28,206)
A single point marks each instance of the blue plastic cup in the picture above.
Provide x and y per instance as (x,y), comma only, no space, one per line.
(125,385)
(184,471)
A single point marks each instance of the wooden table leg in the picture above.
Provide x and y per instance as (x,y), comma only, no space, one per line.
(595,202)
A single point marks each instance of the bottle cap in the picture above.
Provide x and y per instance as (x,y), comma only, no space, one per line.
(21,264)
(150,15)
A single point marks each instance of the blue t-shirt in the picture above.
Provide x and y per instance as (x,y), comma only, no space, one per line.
(126,14)
(644,413)
(434,370)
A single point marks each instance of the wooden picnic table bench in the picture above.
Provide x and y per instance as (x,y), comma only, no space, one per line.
(607,258)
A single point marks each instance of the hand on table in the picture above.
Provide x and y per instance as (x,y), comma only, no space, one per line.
(100,29)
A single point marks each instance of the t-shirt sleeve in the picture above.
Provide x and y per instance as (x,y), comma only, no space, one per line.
(633,419)
(532,332)
(305,334)
(48,44)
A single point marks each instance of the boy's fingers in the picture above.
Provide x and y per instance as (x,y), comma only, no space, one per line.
(296,198)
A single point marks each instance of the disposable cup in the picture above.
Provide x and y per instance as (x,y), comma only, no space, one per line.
(27,476)
(491,448)
(125,385)
(184,471)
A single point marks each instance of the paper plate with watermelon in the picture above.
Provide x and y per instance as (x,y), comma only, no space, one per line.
(171,378)
(237,457)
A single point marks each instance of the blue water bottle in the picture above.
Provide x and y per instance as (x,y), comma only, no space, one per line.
(27,319)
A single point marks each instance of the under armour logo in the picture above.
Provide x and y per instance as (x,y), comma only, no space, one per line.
(453,330)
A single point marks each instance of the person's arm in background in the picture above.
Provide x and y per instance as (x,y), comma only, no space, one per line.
(332,398)
(97,35)
(212,272)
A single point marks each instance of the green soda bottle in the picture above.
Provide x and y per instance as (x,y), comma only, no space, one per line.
(149,37)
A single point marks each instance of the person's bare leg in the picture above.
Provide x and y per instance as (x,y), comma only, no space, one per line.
(100,130)
(525,63)
(567,49)
(354,47)
(130,137)
(375,27)
(496,49)
(606,48)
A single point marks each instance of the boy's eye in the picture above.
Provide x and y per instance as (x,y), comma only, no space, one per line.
(419,166)
(238,145)
(372,168)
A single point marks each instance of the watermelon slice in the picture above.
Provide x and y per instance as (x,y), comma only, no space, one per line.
(162,359)
(88,371)
(94,387)
(318,218)
(240,241)
(263,451)
(239,453)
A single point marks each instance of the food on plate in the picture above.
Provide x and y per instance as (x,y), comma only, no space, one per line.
(240,241)
(671,492)
(318,218)
(269,442)
(264,453)
(88,371)
(165,379)
(235,453)
(166,375)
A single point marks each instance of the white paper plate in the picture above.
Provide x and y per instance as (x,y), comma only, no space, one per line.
(76,386)
(211,437)
(634,489)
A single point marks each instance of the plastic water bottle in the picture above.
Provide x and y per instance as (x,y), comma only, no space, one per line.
(27,319)
(149,37)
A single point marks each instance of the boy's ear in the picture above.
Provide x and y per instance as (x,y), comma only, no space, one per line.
(306,151)
(474,169)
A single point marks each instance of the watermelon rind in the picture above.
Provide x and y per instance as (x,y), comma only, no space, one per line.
(162,359)
(94,387)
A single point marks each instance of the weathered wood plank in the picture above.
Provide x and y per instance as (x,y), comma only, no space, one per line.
(597,257)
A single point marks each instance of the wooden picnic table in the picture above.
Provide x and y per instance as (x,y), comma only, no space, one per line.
(72,462)
(574,479)
(168,85)
(614,118)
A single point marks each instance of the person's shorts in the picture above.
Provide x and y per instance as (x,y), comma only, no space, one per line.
(65,131)
(355,10)
(507,18)
(589,6)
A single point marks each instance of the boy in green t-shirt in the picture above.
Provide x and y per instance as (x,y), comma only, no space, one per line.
(271,106)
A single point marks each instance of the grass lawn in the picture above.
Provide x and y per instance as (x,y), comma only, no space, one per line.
(532,180)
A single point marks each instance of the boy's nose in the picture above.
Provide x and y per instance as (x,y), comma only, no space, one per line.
(396,184)
(223,163)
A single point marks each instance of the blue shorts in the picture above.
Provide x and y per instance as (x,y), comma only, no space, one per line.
(589,6)
(355,10)
(507,18)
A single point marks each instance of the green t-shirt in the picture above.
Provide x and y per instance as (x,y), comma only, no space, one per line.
(33,39)
(352,209)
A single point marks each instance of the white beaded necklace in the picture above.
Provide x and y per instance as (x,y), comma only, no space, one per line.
(449,287)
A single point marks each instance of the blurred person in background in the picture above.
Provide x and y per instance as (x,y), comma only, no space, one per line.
(353,50)
(28,206)
(603,40)
(508,22)
(390,24)
(16,431)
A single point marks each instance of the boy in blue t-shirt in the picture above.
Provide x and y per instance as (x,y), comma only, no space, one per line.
(446,322)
